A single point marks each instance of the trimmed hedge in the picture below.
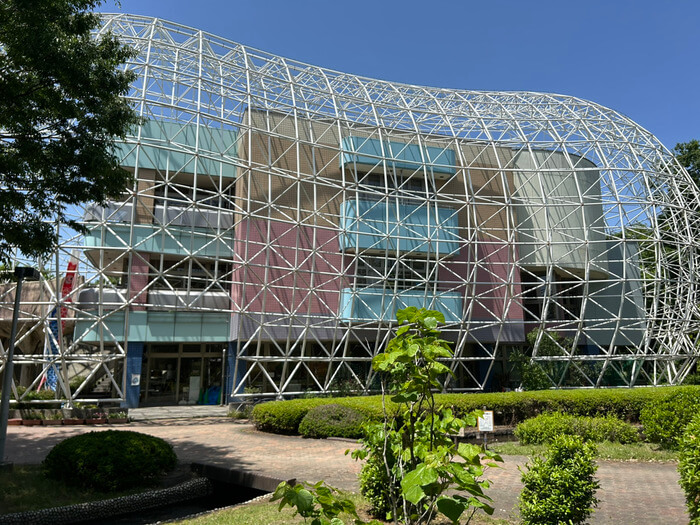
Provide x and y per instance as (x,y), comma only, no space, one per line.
(332,420)
(545,427)
(110,460)
(284,417)
(510,408)
(689,468)
(664,421)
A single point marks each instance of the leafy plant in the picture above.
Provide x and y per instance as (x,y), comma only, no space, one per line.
(318,502)
(559,487)
(109,460)
(532,375)
(331,420)
(663,422)
(420,459)
(375,484)
(509,408)
(32,414)
(545,427)
(689,468)
(75,382)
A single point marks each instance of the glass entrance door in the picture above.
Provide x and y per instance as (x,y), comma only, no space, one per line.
(185,374)
(162,380)
(190,380)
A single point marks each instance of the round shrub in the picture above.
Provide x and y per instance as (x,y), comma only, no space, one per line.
(689,468)
(560,486)
(545,427)
(663,422)
(109,461)
(283,417)
(331,420)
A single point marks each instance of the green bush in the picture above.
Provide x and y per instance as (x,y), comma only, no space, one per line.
(375,485)
(663,422)
(545,427)
(510,408)
(560,486)
(689,468)
(284,417)
(110,460)
(331,421)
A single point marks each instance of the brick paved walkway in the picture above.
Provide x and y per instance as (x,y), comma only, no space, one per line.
(631,493)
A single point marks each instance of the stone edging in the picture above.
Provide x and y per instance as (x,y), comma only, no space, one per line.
(93,510)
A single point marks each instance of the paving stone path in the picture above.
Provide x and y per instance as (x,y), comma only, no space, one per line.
(631,493)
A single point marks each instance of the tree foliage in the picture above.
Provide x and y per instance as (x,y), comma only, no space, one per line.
(688,154)
(61,111)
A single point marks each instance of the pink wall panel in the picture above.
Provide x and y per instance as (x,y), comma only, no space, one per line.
(302,266)
(138,281)
(493,282)
(304,270)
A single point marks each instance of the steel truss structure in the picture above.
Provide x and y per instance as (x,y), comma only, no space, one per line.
(284,212)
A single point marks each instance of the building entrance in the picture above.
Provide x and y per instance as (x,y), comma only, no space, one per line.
(183,374)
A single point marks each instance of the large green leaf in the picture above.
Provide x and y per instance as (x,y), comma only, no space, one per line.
(451,508)
(303,500)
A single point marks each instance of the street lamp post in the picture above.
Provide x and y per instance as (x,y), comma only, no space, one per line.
(21,272)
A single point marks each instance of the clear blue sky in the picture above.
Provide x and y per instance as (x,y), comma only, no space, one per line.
(639,57)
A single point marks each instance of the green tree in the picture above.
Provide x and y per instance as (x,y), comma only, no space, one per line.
(425,472)
(688,154)
(61,110)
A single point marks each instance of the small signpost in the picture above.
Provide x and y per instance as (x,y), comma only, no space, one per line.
(485,424)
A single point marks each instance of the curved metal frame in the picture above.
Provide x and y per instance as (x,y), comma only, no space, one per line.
(557,217)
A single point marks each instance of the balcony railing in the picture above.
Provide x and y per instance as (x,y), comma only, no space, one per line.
(171,215)
(90,299)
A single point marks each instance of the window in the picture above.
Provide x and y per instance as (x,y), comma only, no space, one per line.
(408,190)
(178,195)
(564,303)
(405,273)
(195,273)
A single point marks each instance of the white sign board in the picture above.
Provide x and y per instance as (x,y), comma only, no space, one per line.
(485,422)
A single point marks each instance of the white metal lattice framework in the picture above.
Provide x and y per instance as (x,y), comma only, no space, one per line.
(307,205)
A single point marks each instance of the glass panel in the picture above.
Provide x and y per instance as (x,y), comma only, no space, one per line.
(191,348)
(211,395)
(162,377)
(217,348)
(163,349)
(190,380)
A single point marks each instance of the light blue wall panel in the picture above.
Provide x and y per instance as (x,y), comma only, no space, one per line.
(398,155)
(160,327)
(614,313)
(178,148)
(375,304)
(378,225)
(151,238)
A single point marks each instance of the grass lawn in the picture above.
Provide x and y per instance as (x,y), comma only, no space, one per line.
(264,512)
(607,450)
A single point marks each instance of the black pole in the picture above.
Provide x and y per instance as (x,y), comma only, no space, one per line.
(21,272)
